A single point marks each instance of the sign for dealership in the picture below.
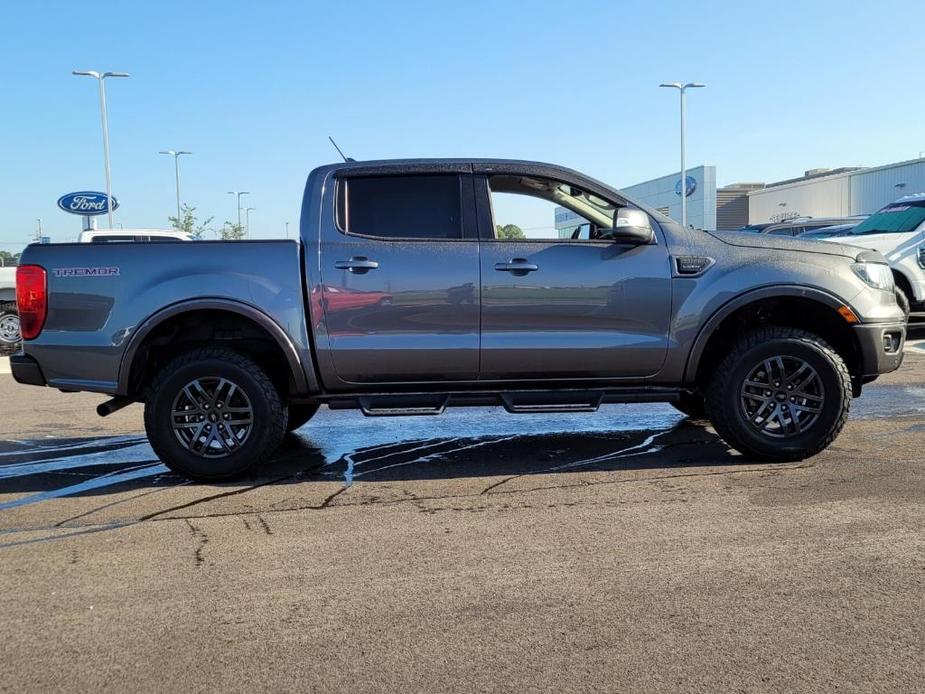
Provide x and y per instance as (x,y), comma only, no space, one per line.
(86,203)
(688,189)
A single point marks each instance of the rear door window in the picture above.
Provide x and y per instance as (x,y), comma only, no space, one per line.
(400,207)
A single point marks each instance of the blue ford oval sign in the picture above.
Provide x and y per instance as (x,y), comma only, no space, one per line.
(690,187)
(86,202)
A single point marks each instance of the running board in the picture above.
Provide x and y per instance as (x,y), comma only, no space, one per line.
(568,401)
(515,402)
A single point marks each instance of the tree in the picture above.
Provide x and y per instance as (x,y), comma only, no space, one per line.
(8,259)
(188,223)
(232,232)
(509,231)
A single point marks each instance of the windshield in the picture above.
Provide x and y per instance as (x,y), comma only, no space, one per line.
(897,218)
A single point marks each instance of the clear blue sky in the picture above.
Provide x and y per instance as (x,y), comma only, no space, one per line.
(253,89)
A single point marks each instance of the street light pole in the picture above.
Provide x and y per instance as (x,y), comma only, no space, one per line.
(681,89)
(100,78)
(239,194)
(176,165)
(247,220)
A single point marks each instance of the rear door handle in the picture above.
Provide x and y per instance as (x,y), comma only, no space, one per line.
(358,264)
(517,266)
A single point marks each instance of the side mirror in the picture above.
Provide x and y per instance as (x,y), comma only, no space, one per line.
(631,226)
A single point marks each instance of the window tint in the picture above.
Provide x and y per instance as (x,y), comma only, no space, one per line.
(400,207)
(783,231)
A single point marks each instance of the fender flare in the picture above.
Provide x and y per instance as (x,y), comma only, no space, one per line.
(232,306)
(742,300)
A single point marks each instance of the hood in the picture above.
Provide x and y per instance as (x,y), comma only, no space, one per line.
(785,243)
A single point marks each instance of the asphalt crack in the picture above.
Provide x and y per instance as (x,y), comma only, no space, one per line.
(203,540)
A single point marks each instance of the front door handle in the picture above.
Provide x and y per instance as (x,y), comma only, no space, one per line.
(358,264)
(519,266)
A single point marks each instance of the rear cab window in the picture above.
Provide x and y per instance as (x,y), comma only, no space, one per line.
(400,207)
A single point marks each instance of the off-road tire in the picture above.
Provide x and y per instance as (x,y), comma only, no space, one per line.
(269,413)
(692,404)
(724,393)
(300,413)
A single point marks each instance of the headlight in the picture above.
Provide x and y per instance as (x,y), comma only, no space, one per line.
(876,275)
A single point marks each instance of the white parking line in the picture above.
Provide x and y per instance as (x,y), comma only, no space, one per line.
(5,365)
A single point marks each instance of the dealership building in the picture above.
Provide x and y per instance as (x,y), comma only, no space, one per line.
(837,193)
(842,192)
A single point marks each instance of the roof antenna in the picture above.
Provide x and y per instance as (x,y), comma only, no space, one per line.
(346,158)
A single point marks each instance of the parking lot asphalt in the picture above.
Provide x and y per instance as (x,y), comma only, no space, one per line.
(626,550)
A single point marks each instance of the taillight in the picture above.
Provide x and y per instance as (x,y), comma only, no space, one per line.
(31,299)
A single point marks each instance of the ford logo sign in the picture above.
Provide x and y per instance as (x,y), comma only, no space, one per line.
(86,202)
(690,187)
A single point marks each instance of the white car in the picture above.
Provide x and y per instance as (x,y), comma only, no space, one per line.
(132,235)
(898,231)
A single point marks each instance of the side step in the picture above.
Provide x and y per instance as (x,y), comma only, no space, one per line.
(568,401)
(402,405)
(516,402)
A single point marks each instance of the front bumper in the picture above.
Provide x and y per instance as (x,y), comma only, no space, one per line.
(881,346)
(26,370)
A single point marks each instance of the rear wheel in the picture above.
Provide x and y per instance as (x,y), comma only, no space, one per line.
(780,394)
(212,414)
(300,413)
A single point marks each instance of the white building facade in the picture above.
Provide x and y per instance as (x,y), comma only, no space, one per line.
(842,194)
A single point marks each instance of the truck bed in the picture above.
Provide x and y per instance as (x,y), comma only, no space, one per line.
(101,294)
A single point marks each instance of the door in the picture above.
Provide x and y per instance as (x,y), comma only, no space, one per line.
(399,287)
(558,299)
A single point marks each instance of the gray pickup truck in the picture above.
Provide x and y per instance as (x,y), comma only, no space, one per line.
(406,295)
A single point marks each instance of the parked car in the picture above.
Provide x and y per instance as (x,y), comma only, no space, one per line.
(798,227)
(755,228)
(829,232)
(898,232)
(9,318)
(770,336)
(132,235)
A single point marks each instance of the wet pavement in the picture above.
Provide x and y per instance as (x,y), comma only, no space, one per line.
(628,548)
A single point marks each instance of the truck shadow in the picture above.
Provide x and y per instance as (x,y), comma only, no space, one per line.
(32,473)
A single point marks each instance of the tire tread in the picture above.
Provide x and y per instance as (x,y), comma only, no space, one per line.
(278,416)
(721,417)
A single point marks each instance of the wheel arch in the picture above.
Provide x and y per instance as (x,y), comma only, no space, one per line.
(793,294)
(904,283)
(217,305)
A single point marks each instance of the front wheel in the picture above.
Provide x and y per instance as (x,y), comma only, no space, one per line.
(212,414)
(780,394)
